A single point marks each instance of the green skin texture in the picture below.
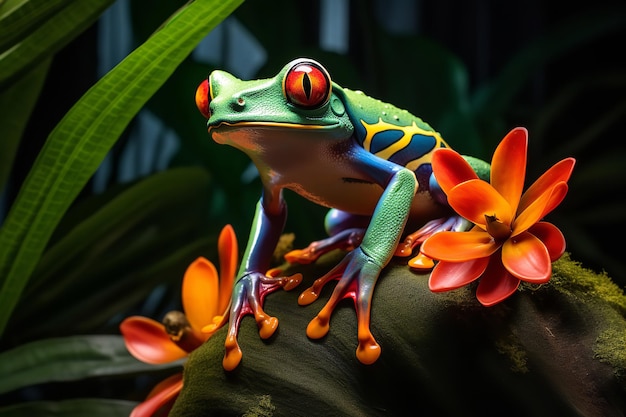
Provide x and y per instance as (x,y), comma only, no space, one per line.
(317,152)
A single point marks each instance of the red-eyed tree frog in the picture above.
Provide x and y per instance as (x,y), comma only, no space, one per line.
(368,161)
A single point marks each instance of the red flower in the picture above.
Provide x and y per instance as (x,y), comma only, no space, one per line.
(508,243)
(206,300)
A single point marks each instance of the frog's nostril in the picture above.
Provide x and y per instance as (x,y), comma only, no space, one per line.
(238,103)
(202,99)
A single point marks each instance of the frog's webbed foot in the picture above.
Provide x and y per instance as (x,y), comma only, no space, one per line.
(347,239)
(357,274)
(411,241)
(248,296)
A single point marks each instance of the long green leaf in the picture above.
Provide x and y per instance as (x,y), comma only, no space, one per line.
(77,145)
(19,18)
(92,407)
(68,359)
(48,37)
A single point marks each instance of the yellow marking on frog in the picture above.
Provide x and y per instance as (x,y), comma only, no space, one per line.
(404,141)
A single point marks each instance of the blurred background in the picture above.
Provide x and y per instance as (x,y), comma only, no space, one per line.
(472,69)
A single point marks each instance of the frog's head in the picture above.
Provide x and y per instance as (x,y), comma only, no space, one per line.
(297,103)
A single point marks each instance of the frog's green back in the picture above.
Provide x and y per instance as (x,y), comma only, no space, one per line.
(388,131)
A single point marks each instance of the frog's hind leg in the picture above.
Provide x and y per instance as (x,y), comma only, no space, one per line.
(411,241)
(345,232)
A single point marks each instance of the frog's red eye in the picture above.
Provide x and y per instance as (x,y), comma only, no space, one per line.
(307,85)
(202,98)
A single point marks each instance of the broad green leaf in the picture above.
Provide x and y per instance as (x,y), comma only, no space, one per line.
(78,144)
(48,37)
(167,194)
(107,288)
(92,407)
(17,103)
(113,258)
(68,359)
(18,18)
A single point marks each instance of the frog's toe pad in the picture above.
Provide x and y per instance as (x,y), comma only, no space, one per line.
(233,354)
(422,262)
(288,283)
(267,327)
(317,328)
(301,256)
(292,282)
(308,296)
(368,351)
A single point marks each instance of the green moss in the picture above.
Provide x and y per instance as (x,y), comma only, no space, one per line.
(264,408)
(570,277)
(511,347)
(606,305)
(611,348)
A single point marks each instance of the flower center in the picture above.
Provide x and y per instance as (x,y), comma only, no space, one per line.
(180,331)
(498,230)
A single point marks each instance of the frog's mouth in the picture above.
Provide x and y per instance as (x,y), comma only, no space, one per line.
(233,133)
(254,136)
(280,125)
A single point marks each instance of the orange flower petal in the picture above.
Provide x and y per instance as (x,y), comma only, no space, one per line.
(496,284)
(147,341)
(508,166)
(558,194)
(161,395)
(228,253)
(559,172)
(451,275)
(552,237)
(450,169)
(200,293)
(459,246)
(474,198)
(535,211)
(527,258)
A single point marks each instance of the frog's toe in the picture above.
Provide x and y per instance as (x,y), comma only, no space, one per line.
(422,261)
(233,354)
(347,239)
(302,256)
(368,350)
(267,326)
(312,293)
(407,246)
(318,327)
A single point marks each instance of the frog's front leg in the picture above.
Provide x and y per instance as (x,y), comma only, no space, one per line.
(359,270)
(253,284)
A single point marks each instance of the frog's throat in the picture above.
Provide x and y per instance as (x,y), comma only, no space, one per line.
(282,125)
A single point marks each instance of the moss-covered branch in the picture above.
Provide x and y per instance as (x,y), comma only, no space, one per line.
(556,349)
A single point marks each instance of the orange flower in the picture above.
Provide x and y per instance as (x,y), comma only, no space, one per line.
(508,243)
(206,300)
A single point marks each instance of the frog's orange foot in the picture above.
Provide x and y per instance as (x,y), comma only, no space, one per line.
(407,246)
(357,274)
(248,296)
(347,239)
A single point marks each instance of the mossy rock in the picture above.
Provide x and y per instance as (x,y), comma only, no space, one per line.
(553,350)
